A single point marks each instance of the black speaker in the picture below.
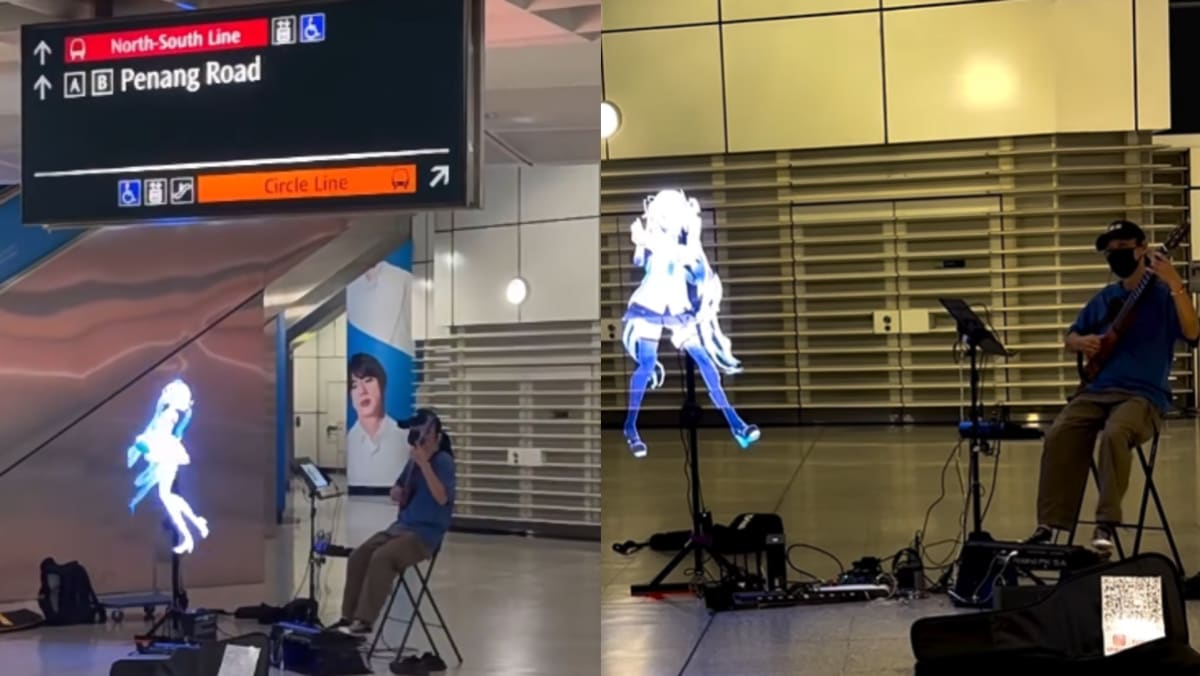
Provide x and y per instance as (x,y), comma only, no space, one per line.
(978,570)
(250,653)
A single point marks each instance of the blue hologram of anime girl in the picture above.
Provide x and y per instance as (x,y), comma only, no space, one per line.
(161,446)
(679,291)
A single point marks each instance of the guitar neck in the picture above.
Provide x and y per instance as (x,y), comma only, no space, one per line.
(1125,317)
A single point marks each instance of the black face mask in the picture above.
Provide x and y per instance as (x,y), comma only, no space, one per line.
(1123,262)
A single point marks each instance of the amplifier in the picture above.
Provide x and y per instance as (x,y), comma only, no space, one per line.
(198,625)
(313,651)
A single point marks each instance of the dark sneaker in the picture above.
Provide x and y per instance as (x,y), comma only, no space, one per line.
(340,624)
(1044,535)
(409,666)
(1104,538)
(433,662)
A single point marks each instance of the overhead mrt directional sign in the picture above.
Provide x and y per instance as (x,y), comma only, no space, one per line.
(303,107)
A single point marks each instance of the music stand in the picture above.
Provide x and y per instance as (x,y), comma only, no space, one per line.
(974,333)
(320,487)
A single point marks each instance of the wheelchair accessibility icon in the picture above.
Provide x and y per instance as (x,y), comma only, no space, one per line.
(129,193)
(312,27)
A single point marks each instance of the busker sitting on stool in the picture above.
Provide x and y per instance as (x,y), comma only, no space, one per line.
(1126,402)
(425,494)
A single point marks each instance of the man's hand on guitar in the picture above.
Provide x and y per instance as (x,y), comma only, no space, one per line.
(1088,345)
(1165,270)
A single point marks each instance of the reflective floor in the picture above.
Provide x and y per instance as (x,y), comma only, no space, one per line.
(854,491)
(519,606)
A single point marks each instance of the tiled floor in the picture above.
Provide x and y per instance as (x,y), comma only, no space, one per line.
(517,606)
(857,492)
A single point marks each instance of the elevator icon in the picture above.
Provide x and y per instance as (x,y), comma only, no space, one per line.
(283,30)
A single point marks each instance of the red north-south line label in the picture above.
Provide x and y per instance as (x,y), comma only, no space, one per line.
(150,42)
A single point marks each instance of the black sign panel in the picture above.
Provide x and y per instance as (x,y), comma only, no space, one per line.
(301,107)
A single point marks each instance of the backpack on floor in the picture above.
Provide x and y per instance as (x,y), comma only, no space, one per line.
(66,595)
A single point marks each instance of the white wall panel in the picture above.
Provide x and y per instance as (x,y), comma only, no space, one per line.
(304,435)
(422,233)
(307,348)
(485,262)
(1008,68)
(305,382)
(734,10)
(422,300)
(560,192)
(1153,65)
(1092,57)
(559,260)
(619,14)
(668,85)
(327,342)
(804,83)
(499,199)
(339,336)
(958,72)
(444,259)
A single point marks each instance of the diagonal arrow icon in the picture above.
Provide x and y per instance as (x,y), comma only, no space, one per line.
(441,176)
(41,86)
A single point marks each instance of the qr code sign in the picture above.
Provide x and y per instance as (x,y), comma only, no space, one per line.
(1132,611)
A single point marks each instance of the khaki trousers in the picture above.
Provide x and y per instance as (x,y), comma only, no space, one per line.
(1122,420)
(373,568)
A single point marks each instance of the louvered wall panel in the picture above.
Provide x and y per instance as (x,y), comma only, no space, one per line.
(812,244)
(520,386)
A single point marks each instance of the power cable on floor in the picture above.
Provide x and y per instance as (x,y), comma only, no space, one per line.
(696,646)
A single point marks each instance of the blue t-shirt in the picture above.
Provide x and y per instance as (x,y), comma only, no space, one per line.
(421,513)
(1141,361)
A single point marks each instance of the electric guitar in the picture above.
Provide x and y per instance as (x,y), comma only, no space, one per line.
(1090,369)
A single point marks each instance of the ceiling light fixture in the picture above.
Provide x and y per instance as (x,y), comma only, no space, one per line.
(610,119)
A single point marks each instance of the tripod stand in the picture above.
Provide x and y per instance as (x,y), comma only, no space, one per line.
(700,543)
(167,632)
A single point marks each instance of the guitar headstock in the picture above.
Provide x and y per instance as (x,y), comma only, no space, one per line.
(1178,234)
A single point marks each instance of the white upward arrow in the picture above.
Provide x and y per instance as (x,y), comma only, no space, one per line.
(41,86)
(441,176)
(41,52)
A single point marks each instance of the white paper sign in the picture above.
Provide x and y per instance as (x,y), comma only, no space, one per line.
(239,660)
(1132,611)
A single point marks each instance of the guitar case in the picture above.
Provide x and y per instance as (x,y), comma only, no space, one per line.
(1062,631)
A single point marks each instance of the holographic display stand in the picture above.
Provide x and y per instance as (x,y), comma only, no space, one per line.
(700,544)
(167,632)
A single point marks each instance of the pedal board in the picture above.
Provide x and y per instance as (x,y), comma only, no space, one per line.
(805,595)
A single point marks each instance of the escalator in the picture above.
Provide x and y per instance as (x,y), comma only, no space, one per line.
(89,335)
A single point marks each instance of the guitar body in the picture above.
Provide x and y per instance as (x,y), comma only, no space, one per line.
(1090,368)
(1095,364)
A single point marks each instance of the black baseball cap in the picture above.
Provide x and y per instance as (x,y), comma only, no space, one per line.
(1120,229)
